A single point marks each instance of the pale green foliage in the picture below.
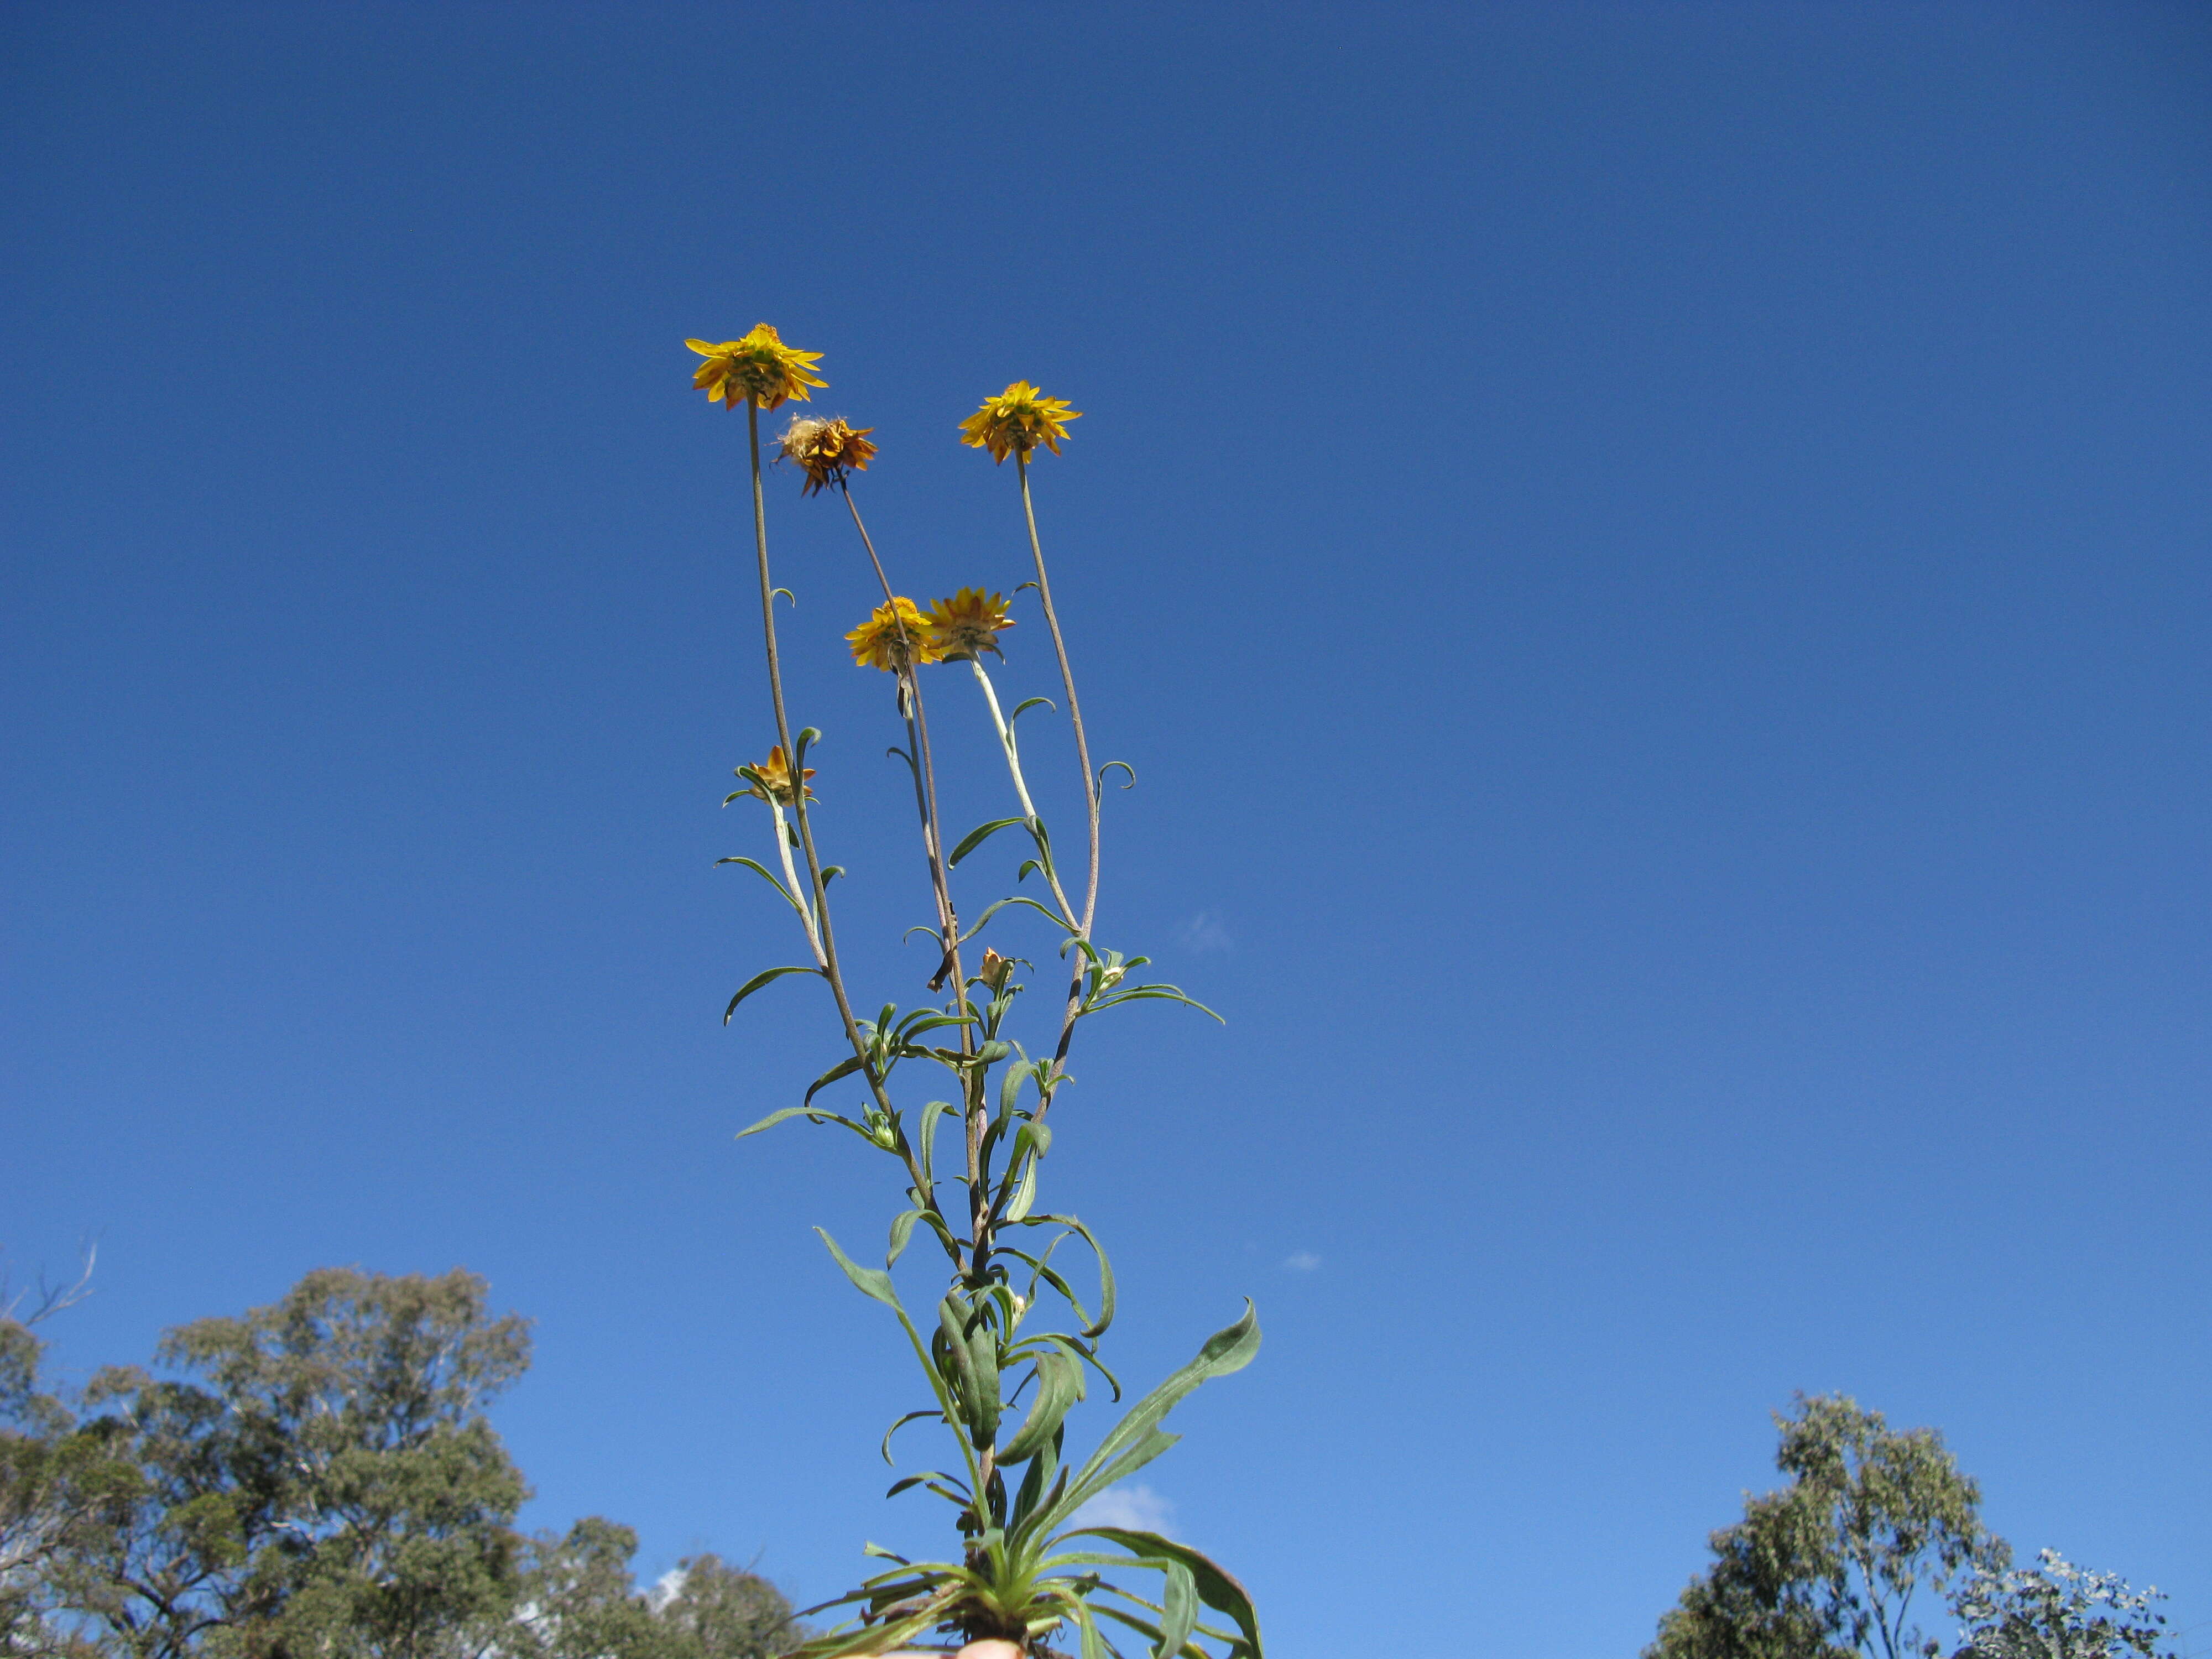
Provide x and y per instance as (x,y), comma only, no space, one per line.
(2055,1610)
(716,1611)
(1832,1565)
(578,1602)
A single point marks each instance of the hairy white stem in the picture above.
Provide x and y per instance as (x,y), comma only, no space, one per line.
(791,882)
(1021,787)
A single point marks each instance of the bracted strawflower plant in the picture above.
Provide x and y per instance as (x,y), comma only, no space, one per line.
(1003,1374)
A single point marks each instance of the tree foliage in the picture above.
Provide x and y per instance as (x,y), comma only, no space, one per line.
(1832,1565)
(2055,1610)
(318,1480)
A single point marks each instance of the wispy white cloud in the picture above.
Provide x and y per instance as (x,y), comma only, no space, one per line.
(1205,933)
(1137,1508)
(1302,1261)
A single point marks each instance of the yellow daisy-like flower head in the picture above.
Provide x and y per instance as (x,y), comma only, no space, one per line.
(759,367)
(823,449)
(770,780)
(1016,421)
(968,624)
(891,632)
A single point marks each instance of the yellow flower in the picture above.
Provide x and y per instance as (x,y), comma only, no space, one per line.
(994,969)
(1018,419)
(825,449)
(771,779)
(966,624)
(890,633)
(760,366)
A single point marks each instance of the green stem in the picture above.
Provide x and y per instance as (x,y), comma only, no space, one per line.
(1021,787)
(829,969)
(790,879)
(975,1111)
(1090,794)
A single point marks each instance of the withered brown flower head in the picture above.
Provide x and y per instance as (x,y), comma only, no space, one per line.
(824,449)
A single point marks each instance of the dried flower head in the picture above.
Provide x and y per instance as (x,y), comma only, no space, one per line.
(1018,420)
(895,634)
(770,780)
(759,367)
(968,624)
(825,449)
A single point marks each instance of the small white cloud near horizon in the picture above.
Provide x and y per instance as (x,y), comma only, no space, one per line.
(1302,1261)
(666,1588)
(1139,1509)
(1205,933)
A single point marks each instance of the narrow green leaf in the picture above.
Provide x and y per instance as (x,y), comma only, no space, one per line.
(869,1281)
(1087,1483)
(1229,1349)
(1034,1483)
(912,1480)
(926,1143)
(765,976)
(1060,1385)
(1024,1193)
(1214,1585)
(808,1113)
(1098,1326)
(983,1350)
(902,1230)
(762,871)
(978,836)
(911,1417)
(1094,1645)
(997,905)
(1178,1610)
(844,1067)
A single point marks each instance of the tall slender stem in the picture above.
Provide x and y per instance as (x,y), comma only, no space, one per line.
(1021,785)
(830,970)
(925,769)
(975,1113)
(790,879)
(1089,796)
(1074,708)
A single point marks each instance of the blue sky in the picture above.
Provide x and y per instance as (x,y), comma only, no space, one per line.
(1650,560)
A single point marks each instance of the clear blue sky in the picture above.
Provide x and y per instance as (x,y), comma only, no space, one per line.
(1651,560)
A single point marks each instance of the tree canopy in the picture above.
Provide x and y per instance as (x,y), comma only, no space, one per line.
(318,1480)
(1876,1529)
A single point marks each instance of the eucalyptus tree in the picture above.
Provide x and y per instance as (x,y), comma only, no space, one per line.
(1873,1526)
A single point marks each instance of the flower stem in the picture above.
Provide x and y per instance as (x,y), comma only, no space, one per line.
(790,879)
(1021,786)
(829,969)
(1089,793)
(975,1112)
